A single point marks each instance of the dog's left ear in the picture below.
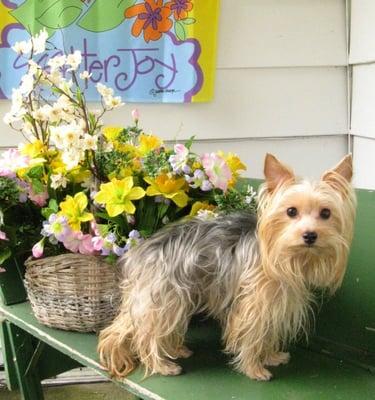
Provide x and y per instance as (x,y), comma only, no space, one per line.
(344,169)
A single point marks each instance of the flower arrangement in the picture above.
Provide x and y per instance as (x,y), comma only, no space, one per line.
(78,186)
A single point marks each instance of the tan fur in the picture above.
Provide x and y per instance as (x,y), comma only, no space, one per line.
(260,289)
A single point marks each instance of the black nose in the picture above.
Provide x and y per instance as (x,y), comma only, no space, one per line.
(310,237)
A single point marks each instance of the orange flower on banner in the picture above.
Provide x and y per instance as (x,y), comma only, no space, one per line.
(152,19)
(180,8)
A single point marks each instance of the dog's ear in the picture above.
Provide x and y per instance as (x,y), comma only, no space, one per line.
(343,170)
(276,173)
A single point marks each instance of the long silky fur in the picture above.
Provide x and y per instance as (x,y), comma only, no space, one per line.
(234,268)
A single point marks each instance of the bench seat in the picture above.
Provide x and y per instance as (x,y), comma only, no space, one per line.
(309,375)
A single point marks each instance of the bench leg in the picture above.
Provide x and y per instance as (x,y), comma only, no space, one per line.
(10,371)
(24,356)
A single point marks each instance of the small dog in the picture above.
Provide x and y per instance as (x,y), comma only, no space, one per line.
(256,276)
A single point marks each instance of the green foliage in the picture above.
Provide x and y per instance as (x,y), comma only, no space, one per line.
(35,15)
(9,192)
(156,162)
(105,15)
(179,30)
(236,200)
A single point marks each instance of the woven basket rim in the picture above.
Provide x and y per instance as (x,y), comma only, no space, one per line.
(31,261)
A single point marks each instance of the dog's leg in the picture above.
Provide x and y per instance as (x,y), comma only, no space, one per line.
(278,358)
(184,352)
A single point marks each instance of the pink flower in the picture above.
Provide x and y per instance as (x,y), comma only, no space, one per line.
(217,170)
(3,236)
(179,159)
(78,242)
(40,199)
(2,270)
(10,161)
(135,115)
(38,249)
(97,243)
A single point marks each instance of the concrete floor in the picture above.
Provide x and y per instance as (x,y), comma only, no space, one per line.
(95,391)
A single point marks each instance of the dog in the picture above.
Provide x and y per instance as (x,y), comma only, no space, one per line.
(255,275)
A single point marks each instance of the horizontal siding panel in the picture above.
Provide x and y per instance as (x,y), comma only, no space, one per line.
(248,103)
(260,33)
(364,163)
(362,31)
(305,155)
(363,104)
(257,103)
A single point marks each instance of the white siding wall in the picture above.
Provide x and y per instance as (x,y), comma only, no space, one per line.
(281,87)
(362,59)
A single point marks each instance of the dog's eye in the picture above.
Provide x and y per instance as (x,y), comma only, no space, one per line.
(291,212)
(325,213)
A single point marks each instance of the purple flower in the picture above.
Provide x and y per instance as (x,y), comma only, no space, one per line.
(179,159)
(56,227)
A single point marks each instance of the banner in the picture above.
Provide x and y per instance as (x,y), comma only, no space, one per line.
(148,51)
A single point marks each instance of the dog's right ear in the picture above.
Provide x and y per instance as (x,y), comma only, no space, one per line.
(276,173)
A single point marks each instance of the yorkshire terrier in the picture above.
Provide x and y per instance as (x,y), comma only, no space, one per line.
(256,276)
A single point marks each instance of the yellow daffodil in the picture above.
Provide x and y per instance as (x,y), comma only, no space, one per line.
(73,209)
(170,188)
(148,143)
(126,148)
(199,205)
(111,133)
(123,173)
(33,149)
(117,196)
(235,165)
(79,174)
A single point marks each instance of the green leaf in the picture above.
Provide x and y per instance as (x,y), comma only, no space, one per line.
(47,212)
(179,30)
(190,142)
(105,15)
(35,15)
(4,255)
(35,172)
(53,205)
(61,14)
(37,186)
(188,21)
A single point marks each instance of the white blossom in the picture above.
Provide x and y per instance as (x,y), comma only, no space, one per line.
(103,90)
(22,47)
(74,60)
(113,102)
(58,180)
(90,142)
(39,41)
(56,62)
(85,75)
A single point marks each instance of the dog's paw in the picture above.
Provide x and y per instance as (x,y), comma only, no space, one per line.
(277,359)
(184,352)
(259,373)
(169,368)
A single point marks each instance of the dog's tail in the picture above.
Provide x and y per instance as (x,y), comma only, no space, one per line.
(115,347)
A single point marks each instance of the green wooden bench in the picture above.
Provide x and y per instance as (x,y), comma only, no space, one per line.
(339,362)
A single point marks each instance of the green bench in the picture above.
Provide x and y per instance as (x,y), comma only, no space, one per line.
(339,362)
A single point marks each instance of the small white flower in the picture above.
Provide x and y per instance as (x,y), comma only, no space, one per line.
(103,90)
(90,142)
(39,41)
(74,60)
(58,180)
(22,47)
(56,62)
(39,114)
(113,102)
(85,75)
(56,77)
(27,84)
(9,118)
(206,214)
(71,158)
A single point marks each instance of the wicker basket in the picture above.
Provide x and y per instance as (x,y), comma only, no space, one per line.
(73,292)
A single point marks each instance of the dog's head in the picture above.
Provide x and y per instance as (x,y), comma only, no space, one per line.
(305,228)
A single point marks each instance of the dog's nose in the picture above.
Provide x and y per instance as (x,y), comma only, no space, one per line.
(310,237)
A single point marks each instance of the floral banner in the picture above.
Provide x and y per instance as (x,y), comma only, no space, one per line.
(148,51)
